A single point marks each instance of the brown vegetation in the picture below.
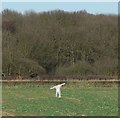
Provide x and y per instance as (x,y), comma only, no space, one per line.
(58,43)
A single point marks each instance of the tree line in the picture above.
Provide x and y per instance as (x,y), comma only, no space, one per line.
(59,43)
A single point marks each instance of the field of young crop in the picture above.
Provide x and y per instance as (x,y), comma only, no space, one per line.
(34,99)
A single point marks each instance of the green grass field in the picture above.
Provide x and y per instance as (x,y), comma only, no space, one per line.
(34,100)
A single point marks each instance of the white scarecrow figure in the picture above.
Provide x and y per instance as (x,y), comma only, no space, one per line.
(57,87)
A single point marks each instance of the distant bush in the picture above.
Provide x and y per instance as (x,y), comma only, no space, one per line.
(107,66)
(79,68)
(25,66)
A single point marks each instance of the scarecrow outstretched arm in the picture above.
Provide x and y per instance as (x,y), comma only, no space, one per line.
(62,84)
(53,87)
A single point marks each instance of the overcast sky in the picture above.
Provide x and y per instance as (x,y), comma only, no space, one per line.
(91,7)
